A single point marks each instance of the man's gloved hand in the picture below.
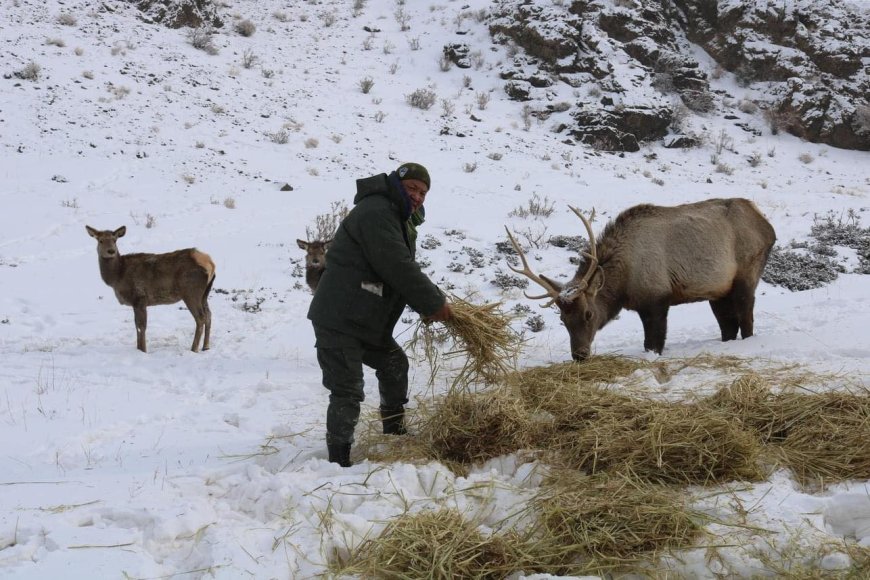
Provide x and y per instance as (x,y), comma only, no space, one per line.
(443,314)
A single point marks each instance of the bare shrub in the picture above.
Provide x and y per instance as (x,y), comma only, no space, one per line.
(403,18)
(482,100)
(31,72)
(281,136)
(755,159)
(327,18)
(366,84)
(469,167)
(326,224)
(79,51)
(723,142)
(414,43)
(535,207)
(58,42)
(245,27)
(249,59)
(379,117)
(806,158)
(66,19)
(202,39)
(447,108)
(526,115)
(280,16)
(358,7)
(311,143)
(495,156)
(388,47)
(88,74)
(230,203)
(747,106)
(724,168)
(422,99)
(369,42)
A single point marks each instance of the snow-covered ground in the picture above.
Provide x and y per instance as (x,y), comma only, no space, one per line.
(117,463)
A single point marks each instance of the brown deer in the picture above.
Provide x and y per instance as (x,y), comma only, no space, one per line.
(142,280)
(652,257)
(315,260)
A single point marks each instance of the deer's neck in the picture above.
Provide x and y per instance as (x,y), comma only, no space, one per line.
(110,270)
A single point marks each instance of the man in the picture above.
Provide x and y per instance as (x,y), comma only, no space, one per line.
(370,277)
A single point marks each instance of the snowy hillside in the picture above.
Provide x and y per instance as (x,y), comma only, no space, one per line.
(115,463)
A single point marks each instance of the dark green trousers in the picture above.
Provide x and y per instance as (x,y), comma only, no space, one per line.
(341,358)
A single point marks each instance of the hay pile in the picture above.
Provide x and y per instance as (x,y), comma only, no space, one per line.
(822,437)
(437,545)
(480,334)
(596,524)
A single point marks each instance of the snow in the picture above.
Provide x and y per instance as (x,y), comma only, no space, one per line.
(213,464)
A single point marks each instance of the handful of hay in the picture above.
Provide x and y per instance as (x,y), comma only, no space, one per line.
(482,334)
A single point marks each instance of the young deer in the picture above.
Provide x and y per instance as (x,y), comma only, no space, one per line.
(315,260)
(142,280)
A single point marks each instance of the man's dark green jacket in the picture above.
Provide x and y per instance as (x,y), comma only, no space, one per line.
(370,270)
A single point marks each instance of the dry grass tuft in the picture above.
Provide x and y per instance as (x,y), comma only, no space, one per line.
(599,524)
(437,545)
(481,334)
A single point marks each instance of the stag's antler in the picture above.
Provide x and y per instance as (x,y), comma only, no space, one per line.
(552,293)
(593,257)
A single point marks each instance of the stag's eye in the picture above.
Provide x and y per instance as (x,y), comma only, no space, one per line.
(588,315)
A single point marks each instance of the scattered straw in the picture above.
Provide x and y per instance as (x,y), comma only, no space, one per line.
(481,334)
(433,544)
(600,523)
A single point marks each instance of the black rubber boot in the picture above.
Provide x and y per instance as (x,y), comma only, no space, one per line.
(394,421)
(340,454)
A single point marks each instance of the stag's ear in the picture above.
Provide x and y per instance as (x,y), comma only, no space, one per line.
(119,233)
(558,286)
(302,245)
(91,231)
(597,281)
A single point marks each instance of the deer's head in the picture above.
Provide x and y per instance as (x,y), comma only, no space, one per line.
(107,241)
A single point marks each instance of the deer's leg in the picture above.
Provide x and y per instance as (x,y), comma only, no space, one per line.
(726,315)
(140,317)
(744,306)
(655,326)
(196,310)
(205,338)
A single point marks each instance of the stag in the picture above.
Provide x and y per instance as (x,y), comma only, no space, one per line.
(142,280)
(651,258)
(315,260)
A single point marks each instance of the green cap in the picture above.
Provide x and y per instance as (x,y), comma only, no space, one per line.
(414,171)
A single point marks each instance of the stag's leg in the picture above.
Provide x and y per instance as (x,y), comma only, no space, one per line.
(726,314)
(744,306)
(196,310)
(655,326)
(140,318)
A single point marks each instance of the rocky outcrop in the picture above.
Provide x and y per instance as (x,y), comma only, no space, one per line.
(805,57)
(179,13)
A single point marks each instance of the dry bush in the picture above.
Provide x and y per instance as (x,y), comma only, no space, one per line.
(366,84)
(421,99)
(201,39)
(326,224)
(66,19)
(31,72)
(245,27)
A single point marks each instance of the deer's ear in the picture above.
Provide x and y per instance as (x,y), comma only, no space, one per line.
(91,231)
(119,233)
(302,245)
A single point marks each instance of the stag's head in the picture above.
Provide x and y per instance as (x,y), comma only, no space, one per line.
(315,253)
(576,300)
(107,241)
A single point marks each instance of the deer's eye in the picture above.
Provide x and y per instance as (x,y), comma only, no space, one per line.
(588,315)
